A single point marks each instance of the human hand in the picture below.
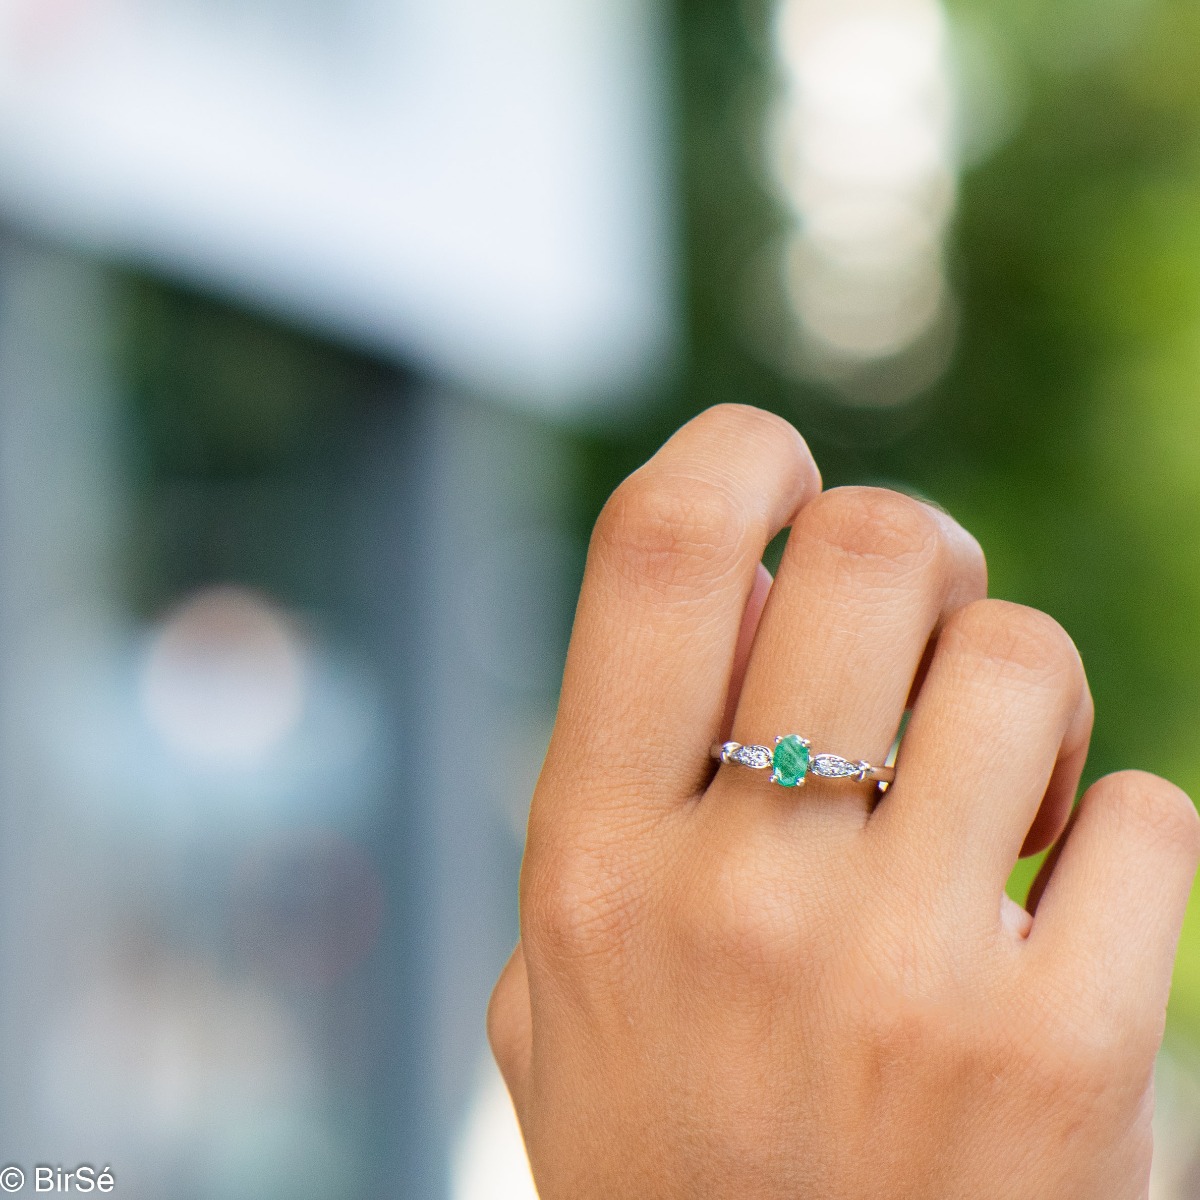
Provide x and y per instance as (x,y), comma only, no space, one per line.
(726,988)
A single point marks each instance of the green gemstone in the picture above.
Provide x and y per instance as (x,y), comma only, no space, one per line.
(790,760)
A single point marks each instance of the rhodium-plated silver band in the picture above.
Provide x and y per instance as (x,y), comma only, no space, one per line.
(757,757)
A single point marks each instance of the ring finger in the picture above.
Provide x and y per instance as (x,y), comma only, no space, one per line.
(866,578)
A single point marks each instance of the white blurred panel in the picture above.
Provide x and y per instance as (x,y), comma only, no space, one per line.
(489,1160)
(473,186)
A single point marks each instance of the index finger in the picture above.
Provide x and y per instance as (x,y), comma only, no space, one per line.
(671,566)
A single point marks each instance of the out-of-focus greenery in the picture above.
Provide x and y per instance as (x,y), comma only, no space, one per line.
(236,434)
(1066,433)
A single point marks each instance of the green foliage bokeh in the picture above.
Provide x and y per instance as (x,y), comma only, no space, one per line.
(1066,432)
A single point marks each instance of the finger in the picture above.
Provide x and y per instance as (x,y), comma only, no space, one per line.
(1042,878)
(1113,900)
(741,658)
(510,1025)
(995,747)
(865,579)
(672,565)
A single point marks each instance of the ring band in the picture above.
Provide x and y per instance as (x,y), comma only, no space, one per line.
(791,761)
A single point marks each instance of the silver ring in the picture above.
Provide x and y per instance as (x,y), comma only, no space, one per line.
(791,761)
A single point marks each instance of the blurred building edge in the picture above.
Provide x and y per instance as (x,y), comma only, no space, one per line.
(475,189)
(474,192)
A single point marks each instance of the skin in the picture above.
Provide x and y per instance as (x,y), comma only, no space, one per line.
(725,988)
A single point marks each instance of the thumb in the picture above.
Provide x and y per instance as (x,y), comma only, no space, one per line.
(509,1025)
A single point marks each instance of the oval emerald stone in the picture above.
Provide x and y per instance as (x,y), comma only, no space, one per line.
(790,760)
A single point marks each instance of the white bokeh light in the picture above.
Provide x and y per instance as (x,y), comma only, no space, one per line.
(863,147)
(489,1160)
(224,680)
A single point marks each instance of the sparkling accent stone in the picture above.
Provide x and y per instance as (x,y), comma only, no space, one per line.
(790,760)
(833,766)
(758,758)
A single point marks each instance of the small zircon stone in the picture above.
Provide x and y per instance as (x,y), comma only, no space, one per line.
(790,760)
(833,766)
(757,758)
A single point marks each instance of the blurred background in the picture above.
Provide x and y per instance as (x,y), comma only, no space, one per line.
(325,330)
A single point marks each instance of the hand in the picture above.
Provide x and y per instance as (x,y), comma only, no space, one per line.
(729,989)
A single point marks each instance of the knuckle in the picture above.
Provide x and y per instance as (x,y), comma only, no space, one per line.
(509,1025)
(1138,1038)
(572,910)
(1088,1059)
(1021,641)
(1149,807)
(501,1023)
(920,1034)
(744,920)
(1088,1042)
(882,527)
(932,1023)
(904,1032)
(672,530)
